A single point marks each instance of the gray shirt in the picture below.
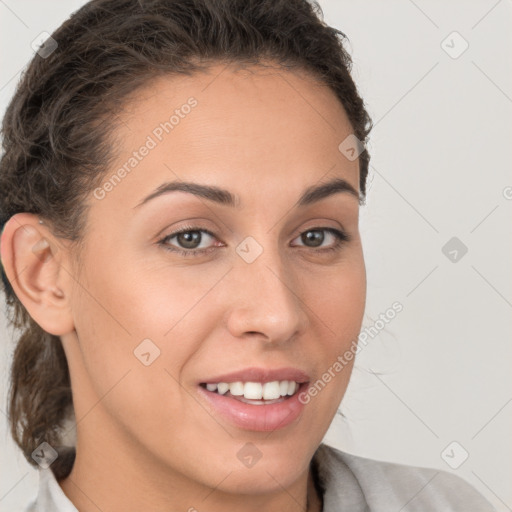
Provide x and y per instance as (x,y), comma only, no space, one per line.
(348,483)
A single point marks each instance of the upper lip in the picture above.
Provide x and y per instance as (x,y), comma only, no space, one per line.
(255,374)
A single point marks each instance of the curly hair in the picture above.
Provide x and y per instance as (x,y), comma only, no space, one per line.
(56,137)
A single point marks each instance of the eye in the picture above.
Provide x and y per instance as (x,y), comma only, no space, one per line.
(191,241)
(314,237)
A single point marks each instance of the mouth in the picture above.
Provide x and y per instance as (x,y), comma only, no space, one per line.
(255,406)
(255,393)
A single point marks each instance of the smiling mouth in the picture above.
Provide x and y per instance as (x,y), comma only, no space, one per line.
(255,393)
(235,402)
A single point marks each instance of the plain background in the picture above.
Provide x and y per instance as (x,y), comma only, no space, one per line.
(440,154)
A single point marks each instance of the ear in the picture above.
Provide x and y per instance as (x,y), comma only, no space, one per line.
(36,264)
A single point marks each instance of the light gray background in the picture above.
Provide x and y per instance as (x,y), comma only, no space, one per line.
(441,160)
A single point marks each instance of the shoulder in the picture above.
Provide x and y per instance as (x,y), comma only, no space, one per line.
(391,486)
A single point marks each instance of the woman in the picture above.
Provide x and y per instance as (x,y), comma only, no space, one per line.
(181,187)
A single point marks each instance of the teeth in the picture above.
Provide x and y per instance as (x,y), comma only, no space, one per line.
(253,390)
(222,388)
(256,390)
(271,390)
(236,388)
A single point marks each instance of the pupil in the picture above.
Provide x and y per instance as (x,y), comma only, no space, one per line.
(317,237)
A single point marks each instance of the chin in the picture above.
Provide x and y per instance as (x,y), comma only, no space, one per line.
(260,479)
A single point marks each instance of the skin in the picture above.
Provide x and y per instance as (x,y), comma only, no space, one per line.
(145,441)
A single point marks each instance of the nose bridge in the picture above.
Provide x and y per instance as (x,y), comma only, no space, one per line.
(266,299)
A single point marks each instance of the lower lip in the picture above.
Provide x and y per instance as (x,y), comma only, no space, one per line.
(263,418)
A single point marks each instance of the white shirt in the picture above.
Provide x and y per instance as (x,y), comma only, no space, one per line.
(349,483)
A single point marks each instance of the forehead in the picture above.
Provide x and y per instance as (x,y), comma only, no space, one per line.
(251,127)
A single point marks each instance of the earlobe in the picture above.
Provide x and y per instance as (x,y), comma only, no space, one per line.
(33,262)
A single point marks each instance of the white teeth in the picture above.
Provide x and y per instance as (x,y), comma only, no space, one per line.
(253,390)
(236,388)
(271,390)
(256,390)
(222,388)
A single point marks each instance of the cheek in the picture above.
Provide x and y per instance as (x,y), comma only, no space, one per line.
(337,297)
(338,302)
(129,314)
(130,300)
(125,359)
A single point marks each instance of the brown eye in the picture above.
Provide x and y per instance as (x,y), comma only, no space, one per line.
(313,238)
(189,241)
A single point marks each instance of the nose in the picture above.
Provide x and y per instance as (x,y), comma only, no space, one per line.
(265,300)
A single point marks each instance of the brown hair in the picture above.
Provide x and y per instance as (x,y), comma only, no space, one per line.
(56,146)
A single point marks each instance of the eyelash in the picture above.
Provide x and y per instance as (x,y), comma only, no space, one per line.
(341,239)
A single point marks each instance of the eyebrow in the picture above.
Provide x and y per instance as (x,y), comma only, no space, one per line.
(222,196)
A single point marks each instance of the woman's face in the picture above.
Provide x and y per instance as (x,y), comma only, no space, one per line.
(265,284)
